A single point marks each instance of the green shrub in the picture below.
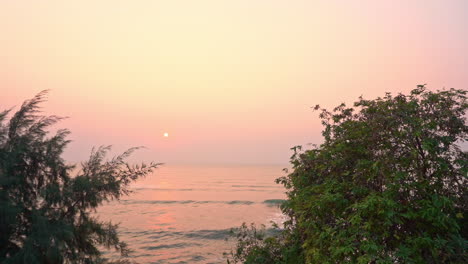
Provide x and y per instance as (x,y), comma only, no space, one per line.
(259,245)
(388,185)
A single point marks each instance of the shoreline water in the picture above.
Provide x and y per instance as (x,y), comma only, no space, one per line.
(184,214)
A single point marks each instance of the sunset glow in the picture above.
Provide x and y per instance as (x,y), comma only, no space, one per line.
(234,79)
(233,131)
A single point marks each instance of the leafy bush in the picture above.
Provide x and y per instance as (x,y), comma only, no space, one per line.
(45,213)
(388,185)
(257,245)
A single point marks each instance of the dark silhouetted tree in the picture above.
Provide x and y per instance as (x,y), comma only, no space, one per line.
(46,214)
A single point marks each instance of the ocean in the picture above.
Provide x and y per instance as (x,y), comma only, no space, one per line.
(184,214)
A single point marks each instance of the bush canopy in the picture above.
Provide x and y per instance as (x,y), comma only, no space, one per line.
(388,185)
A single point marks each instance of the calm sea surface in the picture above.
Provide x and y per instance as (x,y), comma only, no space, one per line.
(183,214)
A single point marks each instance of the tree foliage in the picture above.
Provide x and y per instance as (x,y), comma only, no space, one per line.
(388,185)
(257,245)
(46,214)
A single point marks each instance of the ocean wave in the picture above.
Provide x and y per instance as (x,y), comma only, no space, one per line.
(167,246)
(256,186)
(235,202)
(169,189)
(207,234)
(274,202)
(238,188)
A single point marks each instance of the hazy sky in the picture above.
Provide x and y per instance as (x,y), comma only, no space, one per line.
(230,81)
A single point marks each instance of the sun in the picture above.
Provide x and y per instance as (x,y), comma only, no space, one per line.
(166,134)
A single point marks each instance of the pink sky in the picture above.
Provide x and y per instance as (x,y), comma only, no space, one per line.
(230,81)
